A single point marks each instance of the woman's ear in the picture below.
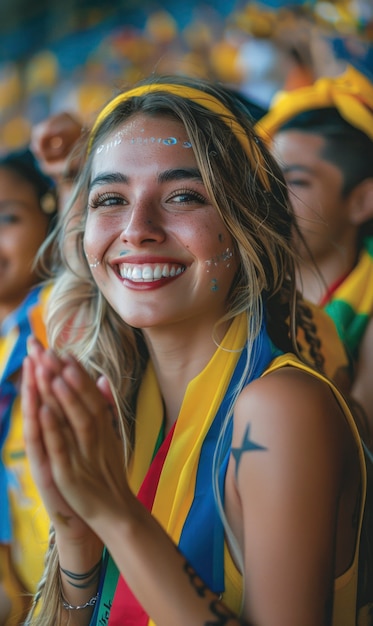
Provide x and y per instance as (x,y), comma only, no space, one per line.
(361,202)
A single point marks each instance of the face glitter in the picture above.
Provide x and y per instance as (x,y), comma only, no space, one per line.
(224,257)
(95,262)
(164,141)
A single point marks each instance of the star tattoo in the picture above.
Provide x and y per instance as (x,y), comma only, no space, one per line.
(246,446)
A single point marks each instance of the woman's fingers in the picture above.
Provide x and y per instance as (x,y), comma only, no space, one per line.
(57,440)
(50,444)
(83,423)
(30,403)
(72,433)
(86,456)
(47,366)
(89,406)
(66,396)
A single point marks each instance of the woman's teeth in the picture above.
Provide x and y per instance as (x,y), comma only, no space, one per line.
(148,273)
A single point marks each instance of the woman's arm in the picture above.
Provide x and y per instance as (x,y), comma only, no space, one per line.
(289,465)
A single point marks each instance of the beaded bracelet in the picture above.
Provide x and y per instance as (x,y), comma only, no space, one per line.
(70,607)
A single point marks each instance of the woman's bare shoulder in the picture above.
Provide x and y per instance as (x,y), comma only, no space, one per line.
(292,408)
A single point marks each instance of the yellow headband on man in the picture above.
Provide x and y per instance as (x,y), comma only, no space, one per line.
(351,94)
(204,99)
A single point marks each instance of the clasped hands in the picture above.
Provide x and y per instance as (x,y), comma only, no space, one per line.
(72,441)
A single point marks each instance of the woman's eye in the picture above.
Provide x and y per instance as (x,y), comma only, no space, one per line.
(187,197)
(106,200)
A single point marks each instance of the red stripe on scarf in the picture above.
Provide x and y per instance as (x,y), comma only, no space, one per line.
(126,610)
(332,288)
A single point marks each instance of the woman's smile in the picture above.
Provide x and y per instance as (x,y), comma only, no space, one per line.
(149,273)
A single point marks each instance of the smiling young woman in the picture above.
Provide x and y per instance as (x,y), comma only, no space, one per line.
(206,506)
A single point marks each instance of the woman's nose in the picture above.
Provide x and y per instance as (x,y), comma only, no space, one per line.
(144,225)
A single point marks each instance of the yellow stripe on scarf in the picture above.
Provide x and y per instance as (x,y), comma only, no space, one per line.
(351,94)
(202,399)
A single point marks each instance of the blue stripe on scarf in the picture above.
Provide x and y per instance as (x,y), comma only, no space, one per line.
(202,537)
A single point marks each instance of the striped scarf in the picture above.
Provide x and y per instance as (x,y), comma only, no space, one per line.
(351,303)
(176,485)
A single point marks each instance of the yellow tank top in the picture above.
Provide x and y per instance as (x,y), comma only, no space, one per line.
(345,586)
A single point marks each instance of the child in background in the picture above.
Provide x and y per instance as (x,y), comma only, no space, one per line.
(27,213)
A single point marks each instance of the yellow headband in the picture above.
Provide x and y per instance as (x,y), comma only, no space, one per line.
(204,99)
(351,94)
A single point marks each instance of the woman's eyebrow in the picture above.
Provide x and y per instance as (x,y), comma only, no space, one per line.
(108,177)
(180,174)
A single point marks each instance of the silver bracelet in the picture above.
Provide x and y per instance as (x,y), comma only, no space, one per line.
(71,607)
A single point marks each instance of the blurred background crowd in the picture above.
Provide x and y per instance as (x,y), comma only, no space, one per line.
(70,55)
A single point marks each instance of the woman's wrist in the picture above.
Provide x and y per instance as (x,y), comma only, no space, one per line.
(79,568)
(78,553)
(79,588)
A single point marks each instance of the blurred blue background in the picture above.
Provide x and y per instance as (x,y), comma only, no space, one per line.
(72,54)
